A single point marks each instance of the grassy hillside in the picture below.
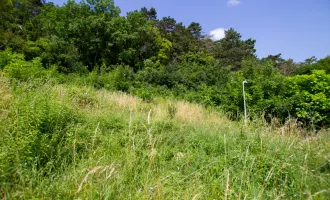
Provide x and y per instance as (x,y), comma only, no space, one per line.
(61,141)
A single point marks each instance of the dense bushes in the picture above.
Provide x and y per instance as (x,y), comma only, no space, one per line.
(16,67)
(310,97)
(264,89)
(268,92)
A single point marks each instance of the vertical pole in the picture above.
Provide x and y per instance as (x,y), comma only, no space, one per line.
(244,101)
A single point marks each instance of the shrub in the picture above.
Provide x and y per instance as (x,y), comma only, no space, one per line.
(5,57)
(19,69)
(264,89)
(310,95)
(145,93)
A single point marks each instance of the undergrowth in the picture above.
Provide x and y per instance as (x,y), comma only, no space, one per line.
(74,142)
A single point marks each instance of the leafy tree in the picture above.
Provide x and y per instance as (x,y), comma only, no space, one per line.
(181,42)
(56,51)
(103,7)
(166,26)
(286,67)
(231,50)
(322,64)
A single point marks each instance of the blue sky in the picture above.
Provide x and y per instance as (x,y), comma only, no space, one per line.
(297,29)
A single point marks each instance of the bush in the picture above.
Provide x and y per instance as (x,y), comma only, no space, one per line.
(17,68)
(6,57)
(145,93)
(310,95)
(264,90)
(123,77)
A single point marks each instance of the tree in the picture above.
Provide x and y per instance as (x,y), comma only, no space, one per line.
(195,30)
(150,14)
(103,6)
(311,64)
(276,60)
(166,26)
(231,50)
(311,60)
(181,42)
(288,67)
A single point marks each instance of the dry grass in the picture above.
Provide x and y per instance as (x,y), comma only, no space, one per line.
(192,113)
(95,102)
(119,99)
(290,127)
(90,99)
(108,170)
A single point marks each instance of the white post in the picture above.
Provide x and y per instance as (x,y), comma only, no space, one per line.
(244,101)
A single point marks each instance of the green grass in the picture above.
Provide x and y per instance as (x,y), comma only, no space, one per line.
(73,142)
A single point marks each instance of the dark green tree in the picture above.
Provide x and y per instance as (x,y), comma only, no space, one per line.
(310,65)
(195,30)
(150,14)
(231,50)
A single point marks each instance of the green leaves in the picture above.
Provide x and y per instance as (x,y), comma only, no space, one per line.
(310,95)
(310,64)
(231,50)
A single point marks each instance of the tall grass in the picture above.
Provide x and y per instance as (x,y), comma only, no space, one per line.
(75,142)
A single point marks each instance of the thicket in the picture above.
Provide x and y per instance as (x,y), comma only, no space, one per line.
(91,44)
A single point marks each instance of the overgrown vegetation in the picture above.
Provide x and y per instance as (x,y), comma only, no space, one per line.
(146,56)
(95,105)
(67,141)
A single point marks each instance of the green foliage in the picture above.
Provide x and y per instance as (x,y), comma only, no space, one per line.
(231,50)
(144,93)
(22,70)
(310,95)
(59,127)
(6,57)
(124,76)
(38,131)
(311,64)
(58,52)
(264,90)
(102,80)
(103,6)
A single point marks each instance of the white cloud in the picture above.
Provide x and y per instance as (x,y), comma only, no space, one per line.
(217,34)
(233,2)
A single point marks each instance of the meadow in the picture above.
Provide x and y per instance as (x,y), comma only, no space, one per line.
(65,141)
